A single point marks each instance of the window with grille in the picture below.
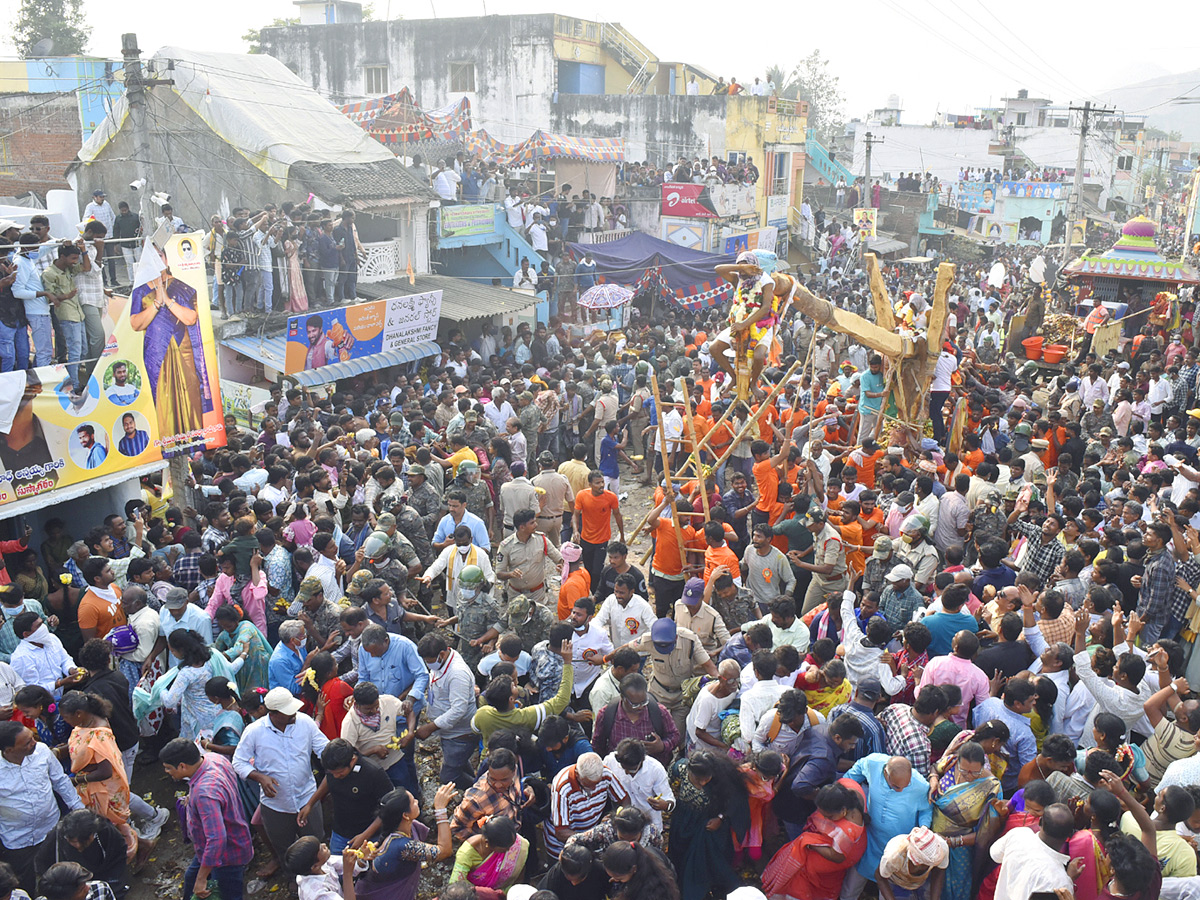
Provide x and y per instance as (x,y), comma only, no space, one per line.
(462,77)
(375,79)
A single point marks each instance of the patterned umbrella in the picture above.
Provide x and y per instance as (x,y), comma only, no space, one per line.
(605,296)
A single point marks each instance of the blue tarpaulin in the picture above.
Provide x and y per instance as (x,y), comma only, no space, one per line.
(687,277)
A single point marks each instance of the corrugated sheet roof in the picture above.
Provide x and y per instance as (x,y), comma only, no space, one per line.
(270,350)
(462,300)
(362,184)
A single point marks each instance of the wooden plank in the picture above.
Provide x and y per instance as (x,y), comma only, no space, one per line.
(695,455)
(824,313)
(939,311)
(885,317)
(1107,337)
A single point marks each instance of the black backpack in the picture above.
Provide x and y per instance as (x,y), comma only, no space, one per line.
(604,726)
(233,259)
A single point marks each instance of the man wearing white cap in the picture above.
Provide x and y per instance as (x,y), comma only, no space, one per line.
(275,752)
(910,861)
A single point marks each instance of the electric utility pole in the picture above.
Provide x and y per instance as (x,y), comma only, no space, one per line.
(135,95)
(869,141)
(1088,112)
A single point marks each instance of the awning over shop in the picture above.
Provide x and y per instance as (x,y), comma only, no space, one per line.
(462,299)
(885,245)
(270,351)
(80,489)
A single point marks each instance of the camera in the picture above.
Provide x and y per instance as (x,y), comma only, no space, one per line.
(137,185)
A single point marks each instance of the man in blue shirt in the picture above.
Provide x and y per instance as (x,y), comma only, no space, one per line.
(443,537)
(392,664)
(870,393)
(28,288)
(1013,711)
(135,441)
(96,452)
(943,626)
(287,659)
(898,803)
(585,273)
(815,764)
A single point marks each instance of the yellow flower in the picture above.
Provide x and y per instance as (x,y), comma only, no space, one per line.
(65,578)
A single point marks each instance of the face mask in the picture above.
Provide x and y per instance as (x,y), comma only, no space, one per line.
(468,593)
(436,666)
(907,538)
(41,636)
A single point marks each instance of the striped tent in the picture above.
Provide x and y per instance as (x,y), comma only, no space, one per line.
(396,119)
(543,145)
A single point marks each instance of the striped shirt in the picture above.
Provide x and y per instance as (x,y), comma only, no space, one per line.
(576,807)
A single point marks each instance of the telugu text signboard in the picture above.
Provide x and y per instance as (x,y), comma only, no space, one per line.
(355,332)
(153,394)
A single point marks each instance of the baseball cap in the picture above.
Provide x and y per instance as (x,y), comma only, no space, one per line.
(693,591)
(1106,431)
(176,598)
(663,632)
(99,192)
(870,688)
(546,458)
(1097,403)
(416,469)
(280,700)
(899,573)
(309,587)
(883,547)
(396,419)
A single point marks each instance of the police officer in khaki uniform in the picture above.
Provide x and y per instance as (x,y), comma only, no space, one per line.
(555,495)
(521,558)
(676,654)
(700,618)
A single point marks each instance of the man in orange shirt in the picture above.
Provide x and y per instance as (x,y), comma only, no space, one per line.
(766,477)
(864,459)
(717,552)
(871,517)
(852,538)
(667,567)
(593,524)
(100,608)
(576,584)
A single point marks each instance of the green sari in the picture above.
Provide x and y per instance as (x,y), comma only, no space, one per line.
(959,810)
(253,672)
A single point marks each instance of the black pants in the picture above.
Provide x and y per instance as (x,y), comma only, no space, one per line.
(593,559)
(666,592)
(24,864)
(937,402)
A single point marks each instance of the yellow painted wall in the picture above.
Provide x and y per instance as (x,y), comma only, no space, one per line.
(14,78)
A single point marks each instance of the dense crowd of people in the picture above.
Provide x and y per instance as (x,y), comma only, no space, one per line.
(849,662)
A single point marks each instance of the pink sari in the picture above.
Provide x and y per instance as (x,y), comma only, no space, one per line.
(800,872)
(762,792)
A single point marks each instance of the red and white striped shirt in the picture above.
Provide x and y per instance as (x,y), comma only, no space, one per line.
(576,807)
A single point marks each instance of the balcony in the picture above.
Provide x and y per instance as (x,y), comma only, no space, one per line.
(381,262)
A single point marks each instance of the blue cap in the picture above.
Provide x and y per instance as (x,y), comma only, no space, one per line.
(693,592)
(663,631)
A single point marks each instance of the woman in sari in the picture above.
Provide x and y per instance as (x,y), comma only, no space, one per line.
(945,729)
(813,866)
(964,813)
(240,637)
(825,687)
(173,354)
(492,860)
(395,868)
(227,733)
(711,806)
(326,693)
(97,770)
(297,296)
(762,777)
(991,736)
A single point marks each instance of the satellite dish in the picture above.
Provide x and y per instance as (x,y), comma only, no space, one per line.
(44,47)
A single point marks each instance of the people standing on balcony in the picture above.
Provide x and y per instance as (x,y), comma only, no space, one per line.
(693,88)
(446,181)
(512,209)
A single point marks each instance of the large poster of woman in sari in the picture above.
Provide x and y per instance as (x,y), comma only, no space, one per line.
(165,309)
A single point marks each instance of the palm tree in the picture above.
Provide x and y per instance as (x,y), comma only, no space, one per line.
(786,85)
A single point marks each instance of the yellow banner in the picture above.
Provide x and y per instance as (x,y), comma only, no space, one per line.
(864,218)
(153,394)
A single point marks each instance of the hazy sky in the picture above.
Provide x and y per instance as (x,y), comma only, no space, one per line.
(947,55)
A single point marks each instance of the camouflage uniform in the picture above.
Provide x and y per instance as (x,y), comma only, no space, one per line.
(738,611)
(428,504)
(529,621)
(990,522)
(479,498)
(475,618)
(531,420)
(410,524)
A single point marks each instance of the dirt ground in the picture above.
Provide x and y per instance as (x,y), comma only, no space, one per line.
(162,877)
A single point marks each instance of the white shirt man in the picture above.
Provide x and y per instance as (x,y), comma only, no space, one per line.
(513,210)
(1028,866)
(693,88)
(40,659)
(624,623)
(446,184)
(452,560)
(538,235)
(282,755)
(756,702)
(650,780)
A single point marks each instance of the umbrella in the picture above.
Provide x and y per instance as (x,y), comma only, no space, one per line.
(605,296)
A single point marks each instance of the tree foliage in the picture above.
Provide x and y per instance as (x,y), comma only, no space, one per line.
(59,21)
(253,36)
(812,81)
